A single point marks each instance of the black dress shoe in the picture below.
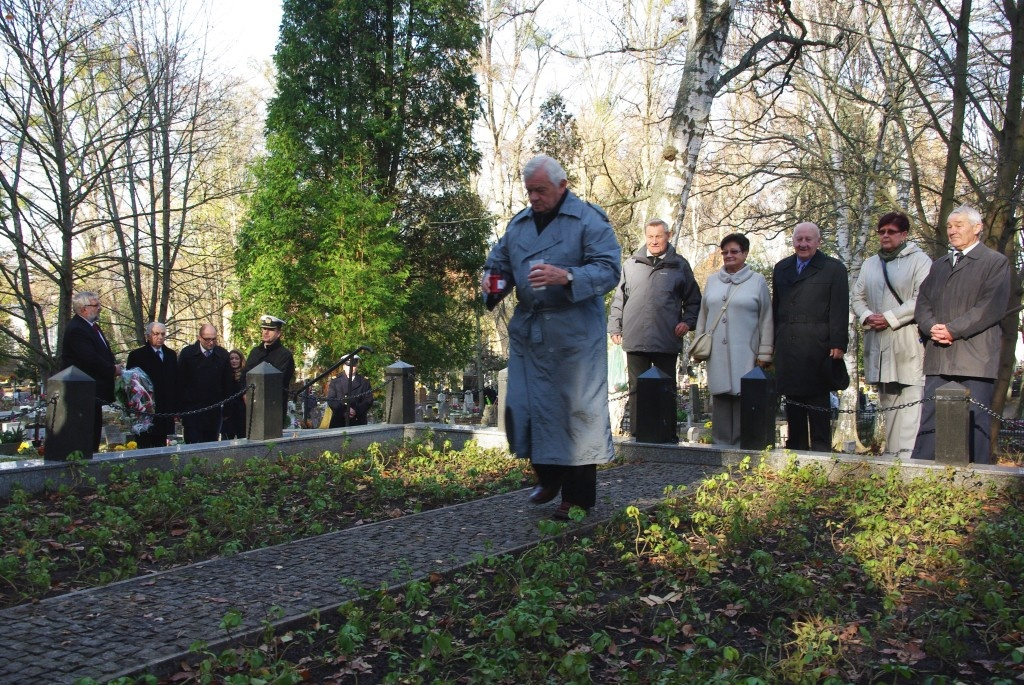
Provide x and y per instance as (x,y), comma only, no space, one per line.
(542,494)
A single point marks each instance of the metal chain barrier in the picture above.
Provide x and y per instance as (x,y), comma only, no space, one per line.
(172,414)
(22,413)
(372,390)
(988,410)
(877,410)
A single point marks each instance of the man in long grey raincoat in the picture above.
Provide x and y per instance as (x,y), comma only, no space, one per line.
(562,257)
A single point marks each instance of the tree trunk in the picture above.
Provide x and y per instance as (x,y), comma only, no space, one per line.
(708,30)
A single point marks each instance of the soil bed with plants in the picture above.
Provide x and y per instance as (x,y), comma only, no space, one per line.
(136,523)
(756,577)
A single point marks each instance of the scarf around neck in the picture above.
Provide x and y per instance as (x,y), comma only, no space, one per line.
(889,255)
(739,277)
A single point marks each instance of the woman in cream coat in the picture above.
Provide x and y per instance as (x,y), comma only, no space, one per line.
(893,353)
(742,338)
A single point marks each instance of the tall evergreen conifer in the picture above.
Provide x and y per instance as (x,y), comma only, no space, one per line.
(369,156)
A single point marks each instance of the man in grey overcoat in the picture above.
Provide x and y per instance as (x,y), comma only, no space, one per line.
(884,298)
(655,304)
(959,310)
(811,309)
(561,256)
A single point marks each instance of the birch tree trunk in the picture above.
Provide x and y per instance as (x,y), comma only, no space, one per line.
(709,23)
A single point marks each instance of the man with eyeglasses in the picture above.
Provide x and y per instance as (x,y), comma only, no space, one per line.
(202,382)
(85,347)
(655,304)
(161,365)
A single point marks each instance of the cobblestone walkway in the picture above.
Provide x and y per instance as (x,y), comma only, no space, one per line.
(148,623)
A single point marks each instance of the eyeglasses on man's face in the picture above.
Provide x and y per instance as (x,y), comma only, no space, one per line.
(889,231)
(210,340)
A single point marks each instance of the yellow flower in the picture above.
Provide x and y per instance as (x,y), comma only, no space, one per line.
(25,447)
(119,448)
(131,445)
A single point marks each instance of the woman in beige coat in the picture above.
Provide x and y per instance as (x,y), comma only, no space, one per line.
(893,353)
(742,337)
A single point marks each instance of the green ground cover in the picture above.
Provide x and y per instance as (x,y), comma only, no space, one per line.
(94,533)
(755,577)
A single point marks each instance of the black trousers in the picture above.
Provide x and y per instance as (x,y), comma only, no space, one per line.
(157,435)
(638,363)
(578,484)
(203,427)
(810,429)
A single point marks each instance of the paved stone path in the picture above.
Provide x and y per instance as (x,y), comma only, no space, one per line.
(148,623)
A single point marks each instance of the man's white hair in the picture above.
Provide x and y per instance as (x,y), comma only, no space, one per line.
(969,213)
(808,224)
(554,170)
(659,222)
(82,299)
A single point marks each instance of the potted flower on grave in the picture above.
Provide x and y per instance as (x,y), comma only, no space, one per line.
(10,440)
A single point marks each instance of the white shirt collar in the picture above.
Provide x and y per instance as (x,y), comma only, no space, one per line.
(973,245)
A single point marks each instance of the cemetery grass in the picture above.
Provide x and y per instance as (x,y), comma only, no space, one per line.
(93,533)
(755,577)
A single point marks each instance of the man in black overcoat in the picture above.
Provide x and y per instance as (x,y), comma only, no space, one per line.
(202,383)
(272,351)
(349,396)
(811,306)
(161,365)
(86,348)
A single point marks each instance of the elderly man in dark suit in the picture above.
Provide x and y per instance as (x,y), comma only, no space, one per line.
(161,365)
(86,348)
(202,382)
(811,305)
(959,308)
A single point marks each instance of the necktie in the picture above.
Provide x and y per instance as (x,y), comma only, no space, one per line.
(160,353)
(800,266)
(96,327)
(957,256)
(206,353)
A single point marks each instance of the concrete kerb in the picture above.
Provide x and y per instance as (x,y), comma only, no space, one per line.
(840,465)
(36,475)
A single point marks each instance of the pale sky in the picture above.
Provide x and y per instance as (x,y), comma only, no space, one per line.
(246,32)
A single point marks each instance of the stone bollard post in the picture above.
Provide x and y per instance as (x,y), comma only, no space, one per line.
(953,425)
(655,407)
(71,419)
(696,410)
(400,398)
(264,413)
(758,405)
(502,395)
